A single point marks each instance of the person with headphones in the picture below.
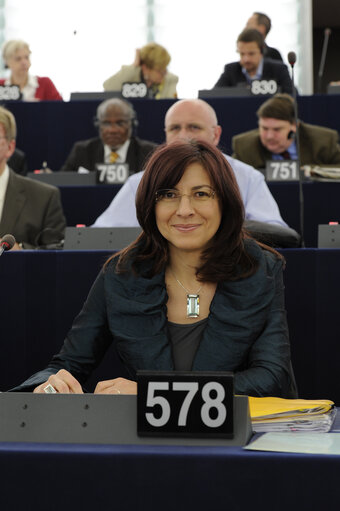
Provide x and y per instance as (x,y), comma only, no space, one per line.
(253,65)
(116,143)
(275,138)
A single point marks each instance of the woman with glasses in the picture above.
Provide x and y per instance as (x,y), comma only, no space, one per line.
(191,293)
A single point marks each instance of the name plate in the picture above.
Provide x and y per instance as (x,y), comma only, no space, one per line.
(282,170)
(185,404)
(112,173)
(134,90)
(10,93)
(262,87)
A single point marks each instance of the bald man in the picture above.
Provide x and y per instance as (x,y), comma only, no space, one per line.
(195,119)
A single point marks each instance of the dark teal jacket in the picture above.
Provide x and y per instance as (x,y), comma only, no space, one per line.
(246,330)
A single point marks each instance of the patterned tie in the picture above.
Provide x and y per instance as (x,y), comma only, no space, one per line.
(113,156)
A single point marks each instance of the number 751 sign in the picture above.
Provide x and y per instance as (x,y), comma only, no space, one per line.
(191,404)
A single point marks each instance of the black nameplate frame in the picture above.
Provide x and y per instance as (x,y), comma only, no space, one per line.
(263,87)
(112,173)
(134,90)
(185,404)
(282,170)
(10,93)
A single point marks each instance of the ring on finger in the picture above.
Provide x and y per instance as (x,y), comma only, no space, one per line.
(49,389)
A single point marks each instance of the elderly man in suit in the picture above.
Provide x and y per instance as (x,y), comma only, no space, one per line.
(115,144)
(275,138)
(28,208)
(253,65)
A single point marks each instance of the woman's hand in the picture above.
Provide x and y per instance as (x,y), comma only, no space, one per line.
(63,382)
(116,386)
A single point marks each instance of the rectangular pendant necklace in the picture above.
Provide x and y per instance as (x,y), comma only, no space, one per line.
(193,300)
(193,306)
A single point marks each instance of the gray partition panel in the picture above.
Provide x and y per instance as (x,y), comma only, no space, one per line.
(62,178)
(99,238)
(94,419)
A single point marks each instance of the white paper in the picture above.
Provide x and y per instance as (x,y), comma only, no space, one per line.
(312,443)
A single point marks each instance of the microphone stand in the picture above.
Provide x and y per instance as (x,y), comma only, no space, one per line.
(292,60)
(327,33)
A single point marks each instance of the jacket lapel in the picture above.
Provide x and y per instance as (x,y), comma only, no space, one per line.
(131,157)
(14,202)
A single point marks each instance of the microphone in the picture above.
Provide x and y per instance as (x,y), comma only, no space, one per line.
(6,243)
(292,60)
(327,33)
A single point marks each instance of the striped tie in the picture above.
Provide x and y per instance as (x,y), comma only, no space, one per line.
(113,156)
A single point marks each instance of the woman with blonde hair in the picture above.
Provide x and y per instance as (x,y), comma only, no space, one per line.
(16,55)
(150,67)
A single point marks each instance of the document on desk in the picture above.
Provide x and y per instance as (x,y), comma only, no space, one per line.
(272,414)
(306,443)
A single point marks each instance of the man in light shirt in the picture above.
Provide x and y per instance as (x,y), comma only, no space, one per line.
(195,119)
(115,144)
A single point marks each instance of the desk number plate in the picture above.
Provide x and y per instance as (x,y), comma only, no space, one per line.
(112,173)
(285,170)
(186,404)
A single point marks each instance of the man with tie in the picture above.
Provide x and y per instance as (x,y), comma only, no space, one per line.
(275,138)
(29,210)
(116,143)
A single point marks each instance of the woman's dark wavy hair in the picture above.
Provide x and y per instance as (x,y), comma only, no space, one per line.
(226,257)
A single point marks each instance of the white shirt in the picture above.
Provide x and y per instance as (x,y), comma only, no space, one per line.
(28,92)
(121,151)
(3,188)
(258,202)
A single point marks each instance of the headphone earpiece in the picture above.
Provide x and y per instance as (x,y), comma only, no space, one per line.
(291,135)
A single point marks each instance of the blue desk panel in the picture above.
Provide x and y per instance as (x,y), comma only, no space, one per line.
(154,478)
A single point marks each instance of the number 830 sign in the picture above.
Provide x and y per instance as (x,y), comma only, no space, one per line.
(191,404)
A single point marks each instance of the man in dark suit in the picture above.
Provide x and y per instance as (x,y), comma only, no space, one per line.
(115,120)
(263,24)
(28,209)
(275,138)
(253,66)
(17,162)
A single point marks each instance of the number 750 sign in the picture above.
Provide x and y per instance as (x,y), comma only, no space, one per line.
(191,404)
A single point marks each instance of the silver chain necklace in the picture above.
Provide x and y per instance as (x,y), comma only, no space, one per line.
(193,300)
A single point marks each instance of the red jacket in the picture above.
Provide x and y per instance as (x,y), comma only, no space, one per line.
(45,91)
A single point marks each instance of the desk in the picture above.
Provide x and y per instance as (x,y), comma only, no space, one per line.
(101,478)
(48,129)
(46,289)
(83,204)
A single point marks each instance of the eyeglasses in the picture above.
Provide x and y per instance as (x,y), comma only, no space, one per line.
(197,196)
